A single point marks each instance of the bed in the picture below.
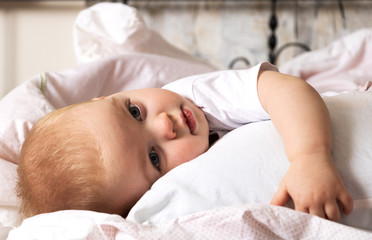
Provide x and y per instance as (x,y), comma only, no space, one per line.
(204,198)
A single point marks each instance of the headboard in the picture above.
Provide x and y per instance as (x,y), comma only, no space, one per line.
(250,31)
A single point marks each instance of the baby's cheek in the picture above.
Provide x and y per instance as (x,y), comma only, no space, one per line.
(184,151)
(191,150)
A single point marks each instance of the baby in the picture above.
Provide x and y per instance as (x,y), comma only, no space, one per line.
(104,154)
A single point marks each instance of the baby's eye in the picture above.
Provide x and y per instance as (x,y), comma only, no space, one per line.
(135,111)
(154,158)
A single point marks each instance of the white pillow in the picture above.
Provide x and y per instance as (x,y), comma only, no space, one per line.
(247,165)
(107,29)
(8,200)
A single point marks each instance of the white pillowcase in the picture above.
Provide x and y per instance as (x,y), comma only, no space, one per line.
(247,165)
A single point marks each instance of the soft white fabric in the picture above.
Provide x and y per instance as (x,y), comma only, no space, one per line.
(8,200)
(234,222)
(344,65)
(19,110)
(107,29)
(228,98)
(247,165)
(114,74)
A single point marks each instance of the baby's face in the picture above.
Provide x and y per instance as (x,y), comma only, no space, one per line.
(143,134)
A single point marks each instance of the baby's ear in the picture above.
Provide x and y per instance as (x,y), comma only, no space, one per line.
(98,98)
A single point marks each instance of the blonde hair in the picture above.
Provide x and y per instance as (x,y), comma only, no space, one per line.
(60,167)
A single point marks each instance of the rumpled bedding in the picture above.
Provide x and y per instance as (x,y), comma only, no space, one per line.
(233,222)
(108,29)
(345,65)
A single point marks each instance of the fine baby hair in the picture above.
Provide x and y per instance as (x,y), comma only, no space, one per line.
(60,166)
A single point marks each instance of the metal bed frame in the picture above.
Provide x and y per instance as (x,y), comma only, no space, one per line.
(274,52)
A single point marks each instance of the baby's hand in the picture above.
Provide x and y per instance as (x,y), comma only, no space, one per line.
(315,187)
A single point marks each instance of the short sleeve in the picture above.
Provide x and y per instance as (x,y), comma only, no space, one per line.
(228,98)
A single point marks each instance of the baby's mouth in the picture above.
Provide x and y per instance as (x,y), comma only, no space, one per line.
(190,120)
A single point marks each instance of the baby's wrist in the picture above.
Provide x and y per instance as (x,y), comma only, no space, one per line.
(314,157)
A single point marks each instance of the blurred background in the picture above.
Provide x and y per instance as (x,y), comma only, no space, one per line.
(36,36)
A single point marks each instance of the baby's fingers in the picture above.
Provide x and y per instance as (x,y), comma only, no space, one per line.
(281,197)
(346,202)
(318,211)
(332,211)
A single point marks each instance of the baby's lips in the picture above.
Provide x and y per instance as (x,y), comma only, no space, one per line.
(190,119)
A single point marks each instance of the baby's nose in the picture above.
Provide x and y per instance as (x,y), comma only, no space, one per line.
(166,126)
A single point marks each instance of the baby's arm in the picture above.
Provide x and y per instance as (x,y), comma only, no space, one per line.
(302,120)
